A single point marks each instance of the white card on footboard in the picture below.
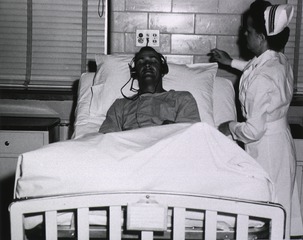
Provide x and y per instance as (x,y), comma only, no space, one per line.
(146,217)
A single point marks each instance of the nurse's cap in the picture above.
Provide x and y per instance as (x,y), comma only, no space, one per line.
(277,17)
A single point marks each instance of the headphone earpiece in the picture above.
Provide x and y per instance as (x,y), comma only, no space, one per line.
(132,69)
(164,66)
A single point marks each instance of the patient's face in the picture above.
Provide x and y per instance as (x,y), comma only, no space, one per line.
(148,68)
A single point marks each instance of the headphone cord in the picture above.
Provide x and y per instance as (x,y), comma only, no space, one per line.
(101,13)
(138,93)
(131,89)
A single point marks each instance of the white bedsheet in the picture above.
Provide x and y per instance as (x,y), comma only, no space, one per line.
(189,158)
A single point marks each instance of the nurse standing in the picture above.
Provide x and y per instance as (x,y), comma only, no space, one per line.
(265,93)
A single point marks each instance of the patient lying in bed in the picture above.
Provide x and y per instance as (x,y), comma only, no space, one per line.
(151,105)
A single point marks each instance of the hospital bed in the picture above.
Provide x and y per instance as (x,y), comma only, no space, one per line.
(177,181)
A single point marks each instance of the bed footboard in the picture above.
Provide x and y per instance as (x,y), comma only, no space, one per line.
(146,215)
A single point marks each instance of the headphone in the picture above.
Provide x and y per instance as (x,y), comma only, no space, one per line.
(132,65)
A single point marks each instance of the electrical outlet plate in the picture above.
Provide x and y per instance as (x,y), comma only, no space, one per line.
(147,37)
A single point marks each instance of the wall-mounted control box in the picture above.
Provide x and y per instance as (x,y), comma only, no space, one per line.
(147,38)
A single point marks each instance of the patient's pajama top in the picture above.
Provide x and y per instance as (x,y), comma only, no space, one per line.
(265,93)
(151,109)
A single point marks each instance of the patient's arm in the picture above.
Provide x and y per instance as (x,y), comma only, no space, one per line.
(113,121)
(165,122)
(188,109)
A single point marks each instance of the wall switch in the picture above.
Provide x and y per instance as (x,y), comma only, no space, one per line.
(147,38)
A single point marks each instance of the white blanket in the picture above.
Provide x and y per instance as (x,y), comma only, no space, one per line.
(187,158)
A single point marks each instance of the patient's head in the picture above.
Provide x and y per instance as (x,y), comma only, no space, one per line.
(149,68)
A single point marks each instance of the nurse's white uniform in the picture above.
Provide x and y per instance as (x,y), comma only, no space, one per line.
(265,93)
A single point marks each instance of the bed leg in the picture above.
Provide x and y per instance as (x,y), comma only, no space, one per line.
(210,225)
(83,223)
(51,231)
(115,223)
(278,225)
(147,235)
(242,227)
(179,223)
(16,221)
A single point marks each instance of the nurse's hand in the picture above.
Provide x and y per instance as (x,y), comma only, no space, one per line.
(224,128)
(220,56)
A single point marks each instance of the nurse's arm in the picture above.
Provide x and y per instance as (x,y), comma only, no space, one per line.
(238,64)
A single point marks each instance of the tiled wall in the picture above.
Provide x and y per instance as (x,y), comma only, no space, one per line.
(188,28)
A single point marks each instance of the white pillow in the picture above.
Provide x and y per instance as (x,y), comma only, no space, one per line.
(224,101)
(84,123)
(113,73)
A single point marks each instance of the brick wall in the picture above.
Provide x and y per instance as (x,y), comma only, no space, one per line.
(188,29)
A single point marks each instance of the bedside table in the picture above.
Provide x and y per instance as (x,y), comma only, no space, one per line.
(19,135)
